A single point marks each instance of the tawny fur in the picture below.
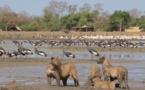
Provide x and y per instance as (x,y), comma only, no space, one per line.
(93,73)
(114,72)
(105,85)
(64,70)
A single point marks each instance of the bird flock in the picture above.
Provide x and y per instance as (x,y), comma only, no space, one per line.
(86,43)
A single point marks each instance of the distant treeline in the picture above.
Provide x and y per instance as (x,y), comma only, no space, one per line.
(58,15)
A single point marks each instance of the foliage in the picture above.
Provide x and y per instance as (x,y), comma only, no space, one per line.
(58,15)
(142,23)
(120,19)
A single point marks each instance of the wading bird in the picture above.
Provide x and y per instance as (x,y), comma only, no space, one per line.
(15,53)
(2,51)
(41,53)
(16,42)
(24,51)
(93,52)
(68,54)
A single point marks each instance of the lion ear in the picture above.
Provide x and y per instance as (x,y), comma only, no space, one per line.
(52,58)
(103,57)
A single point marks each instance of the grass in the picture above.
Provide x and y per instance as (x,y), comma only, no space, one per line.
(28,35)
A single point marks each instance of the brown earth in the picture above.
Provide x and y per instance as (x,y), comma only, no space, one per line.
(14,85)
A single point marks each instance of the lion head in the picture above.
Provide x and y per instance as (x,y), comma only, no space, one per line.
(101,60)
(55,61)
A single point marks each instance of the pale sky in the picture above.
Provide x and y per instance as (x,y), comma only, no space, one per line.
(35,7)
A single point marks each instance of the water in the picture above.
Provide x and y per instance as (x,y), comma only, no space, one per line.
(36,74)
(9,46)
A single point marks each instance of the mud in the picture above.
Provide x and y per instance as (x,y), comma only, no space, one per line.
(31,75)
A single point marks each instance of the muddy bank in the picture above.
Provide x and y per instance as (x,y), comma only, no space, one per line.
(30,74)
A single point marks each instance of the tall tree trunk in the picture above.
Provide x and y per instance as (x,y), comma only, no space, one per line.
(6,27)
(120,26)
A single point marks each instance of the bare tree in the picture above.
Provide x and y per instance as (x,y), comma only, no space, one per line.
(7,16)
(104,19)
(86,7)
(98,7)
(72,9)
(57,8)
(23,17)
(135,13)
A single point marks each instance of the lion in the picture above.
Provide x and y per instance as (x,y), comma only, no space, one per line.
(112,73)
(55,69)
(93,73)
(105,85)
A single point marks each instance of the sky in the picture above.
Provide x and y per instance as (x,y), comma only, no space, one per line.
(35,7)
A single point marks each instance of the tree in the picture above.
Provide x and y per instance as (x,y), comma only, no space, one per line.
(98,7)
(86,7)
(69,21)
(72,9)
(52,14)
(120,19)
(135,13)
(10,18)
(7,16)
(142,23)
(57,8)
(135,16)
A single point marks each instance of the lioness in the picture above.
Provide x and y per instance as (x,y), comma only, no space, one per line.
(100,84)
(112,73)
(61,72)
(93,73)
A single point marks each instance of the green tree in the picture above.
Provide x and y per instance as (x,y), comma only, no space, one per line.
(78,19)
(120,19)
(142,23)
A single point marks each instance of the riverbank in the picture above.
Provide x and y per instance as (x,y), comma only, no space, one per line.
(30,74)
(40,35)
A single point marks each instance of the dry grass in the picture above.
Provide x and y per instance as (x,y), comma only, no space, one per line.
(30,34)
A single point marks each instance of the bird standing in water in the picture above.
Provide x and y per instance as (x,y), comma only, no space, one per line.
(68,54)
(93,52)
(2,51)
(41,53)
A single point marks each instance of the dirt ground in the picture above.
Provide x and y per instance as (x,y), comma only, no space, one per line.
(17,85)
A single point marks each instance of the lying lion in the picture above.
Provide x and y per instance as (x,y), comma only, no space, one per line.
(105,85)
(94,79)
(61,72)
(94,72)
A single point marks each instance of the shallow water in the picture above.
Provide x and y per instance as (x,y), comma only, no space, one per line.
(34,74)
(9,46)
